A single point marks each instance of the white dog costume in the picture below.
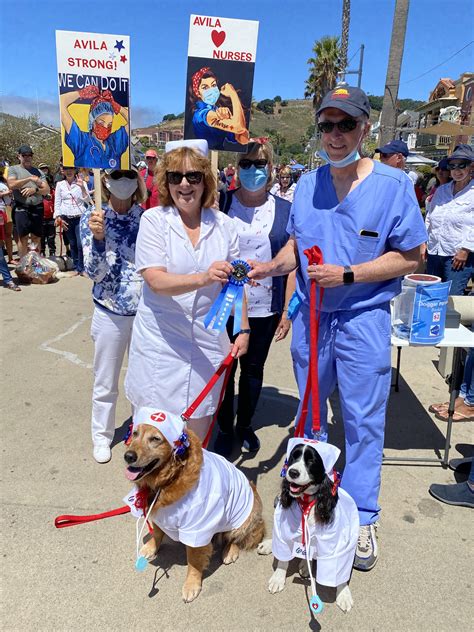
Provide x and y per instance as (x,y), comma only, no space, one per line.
(332,545)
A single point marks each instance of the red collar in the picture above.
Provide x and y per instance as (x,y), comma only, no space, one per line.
(306,503)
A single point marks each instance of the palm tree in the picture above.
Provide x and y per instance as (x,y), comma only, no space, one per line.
(388,119)
(324,67)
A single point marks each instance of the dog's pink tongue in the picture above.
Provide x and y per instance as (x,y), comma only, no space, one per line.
(131,475)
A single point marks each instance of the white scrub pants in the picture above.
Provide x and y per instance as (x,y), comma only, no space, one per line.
(111,334)
(354,353)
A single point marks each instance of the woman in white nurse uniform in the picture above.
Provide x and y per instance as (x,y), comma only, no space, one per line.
(184,249)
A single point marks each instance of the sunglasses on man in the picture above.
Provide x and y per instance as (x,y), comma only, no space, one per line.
(176,177)
(150,158)
(344,126)
(458,165)
(260,163)
(130,174)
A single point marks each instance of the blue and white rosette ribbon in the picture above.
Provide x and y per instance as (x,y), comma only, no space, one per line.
(232,292)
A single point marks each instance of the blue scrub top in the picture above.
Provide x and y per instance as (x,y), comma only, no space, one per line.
(88,151)
(383,203)
(215,137)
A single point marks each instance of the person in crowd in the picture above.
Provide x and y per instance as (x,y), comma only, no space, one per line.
(366,221)
(4,271)
(394,154)
(59,175)
(218,116)
(148,174)
(458,494)
(87,176)
(99,147)
(47,172)
(283,187)
(6,208)
(29,185)
(184,250)
(49,225)
(70,200)
(108,238)
(450,224)
(260,219)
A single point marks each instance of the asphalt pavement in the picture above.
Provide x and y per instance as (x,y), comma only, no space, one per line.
(83,577)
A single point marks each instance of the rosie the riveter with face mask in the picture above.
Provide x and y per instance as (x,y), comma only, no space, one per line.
(100,148)
(365,218)
(108,238)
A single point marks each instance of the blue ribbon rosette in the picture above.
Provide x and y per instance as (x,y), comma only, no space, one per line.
(232,292)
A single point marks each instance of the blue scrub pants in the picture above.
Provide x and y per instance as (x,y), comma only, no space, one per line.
(354,353)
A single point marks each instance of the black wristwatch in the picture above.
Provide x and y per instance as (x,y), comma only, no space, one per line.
(348,275)
(244,331)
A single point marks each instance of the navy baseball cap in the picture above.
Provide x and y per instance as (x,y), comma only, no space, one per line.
(462,152)
(394,147)
(443,164)
(25,149)
(351,100)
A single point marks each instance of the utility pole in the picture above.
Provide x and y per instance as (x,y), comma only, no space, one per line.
(388,120)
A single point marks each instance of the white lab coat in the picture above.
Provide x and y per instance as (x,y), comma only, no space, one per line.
(172,355)
(221,501)
(333,545)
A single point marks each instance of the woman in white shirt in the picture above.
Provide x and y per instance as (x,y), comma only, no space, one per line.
(284,188)
(450,224)
(70,201)
(184,249)
(261,220)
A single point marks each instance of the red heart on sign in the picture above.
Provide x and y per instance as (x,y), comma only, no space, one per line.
(158,417)
(218,37)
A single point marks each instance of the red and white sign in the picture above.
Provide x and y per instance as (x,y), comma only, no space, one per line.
(223,38)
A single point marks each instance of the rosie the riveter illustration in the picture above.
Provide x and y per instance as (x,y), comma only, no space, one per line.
(100,148)
(220,125)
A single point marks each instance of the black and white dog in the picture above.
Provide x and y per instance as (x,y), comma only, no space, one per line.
(313,512)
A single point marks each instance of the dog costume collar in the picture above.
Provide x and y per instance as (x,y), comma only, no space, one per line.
(171,426)
(328,453)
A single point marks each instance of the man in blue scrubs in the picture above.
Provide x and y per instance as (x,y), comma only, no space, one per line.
(364,217)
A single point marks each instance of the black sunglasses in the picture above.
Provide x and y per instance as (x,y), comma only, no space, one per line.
(116,175)
(260,163)
(458,165)
(176,177)
(344,126)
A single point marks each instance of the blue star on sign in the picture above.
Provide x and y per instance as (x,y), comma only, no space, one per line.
(119,45)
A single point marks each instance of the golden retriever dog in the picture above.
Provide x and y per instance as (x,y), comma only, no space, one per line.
(198,495)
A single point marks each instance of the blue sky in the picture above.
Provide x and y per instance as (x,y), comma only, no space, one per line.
(159,35)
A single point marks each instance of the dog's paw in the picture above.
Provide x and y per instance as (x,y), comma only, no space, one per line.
(149,549)
(191,590)
(303,569)
(230,554)
(344,598)
(277,581)
(265,547)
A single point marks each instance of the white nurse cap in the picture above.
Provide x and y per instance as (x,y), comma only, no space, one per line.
(171,426)
(193,143)
(328,453)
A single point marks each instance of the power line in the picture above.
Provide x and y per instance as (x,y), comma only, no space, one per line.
(443,62)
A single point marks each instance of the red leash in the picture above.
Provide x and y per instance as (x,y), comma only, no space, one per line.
(315,257)
(70,521)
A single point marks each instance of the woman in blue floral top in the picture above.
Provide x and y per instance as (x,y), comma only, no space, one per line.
(108,240)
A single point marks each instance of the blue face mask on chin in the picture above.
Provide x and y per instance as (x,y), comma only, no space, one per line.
(253,179)
(211,95)
(348,160)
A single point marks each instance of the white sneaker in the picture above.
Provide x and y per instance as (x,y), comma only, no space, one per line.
(367,549)
(102,453)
